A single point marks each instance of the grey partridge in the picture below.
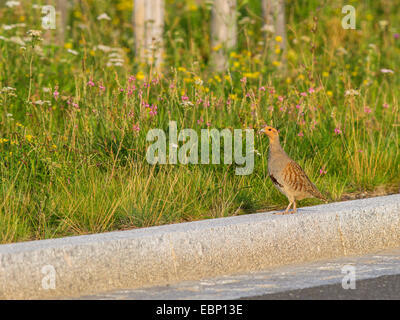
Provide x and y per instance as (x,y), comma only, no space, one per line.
(287,176)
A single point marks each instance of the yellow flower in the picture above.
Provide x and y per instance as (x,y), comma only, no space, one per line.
(19,125)
(288,80)
(325,74)
(233,96)
(182,69)
(68,45)
(218,78)
(236,64)
(300,77)
(329,93)
(233,54)
(217,47)
(29,137)
(278,39)
(140,75)
(276,63)
(2,140)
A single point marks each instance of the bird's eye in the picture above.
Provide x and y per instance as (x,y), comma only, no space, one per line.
(269,129)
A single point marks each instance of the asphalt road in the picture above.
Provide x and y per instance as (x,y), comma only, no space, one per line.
(381,288)
(376,276)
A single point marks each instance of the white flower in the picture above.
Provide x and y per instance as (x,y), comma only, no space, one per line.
(387,71)
(103,48)
(351,92)
(12,26)
(46,89)
(11,4)
(73,52)
(17,40)
(268,28)
(103,16)
(34,33)
(383,23)
(174,145)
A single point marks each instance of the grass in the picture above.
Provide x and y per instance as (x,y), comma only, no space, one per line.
(73,130)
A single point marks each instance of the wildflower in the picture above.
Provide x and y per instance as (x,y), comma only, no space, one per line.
(74,52)
(90,83)
(387,71)
(367,109)
(29,137)
(311,90)
(268,28)
(243,80)
(276,63)
(396,35)
(56,94)
(322,171)
(103,16)
(140,75)
(303,94)
(325,74)
(11,4)
(280,98)
(136,127)
(34,33)
(278,39)
(329,93)
(351,92)
(385,105)
(338,131)
(300,134)
(262,89)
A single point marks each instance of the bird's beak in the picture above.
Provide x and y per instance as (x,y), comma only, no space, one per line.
(261,130)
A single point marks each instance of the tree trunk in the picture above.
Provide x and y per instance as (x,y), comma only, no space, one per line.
(148,20)
(62,10)
(223,32)
(274,19)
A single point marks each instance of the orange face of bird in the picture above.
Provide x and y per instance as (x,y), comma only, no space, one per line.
(271,132)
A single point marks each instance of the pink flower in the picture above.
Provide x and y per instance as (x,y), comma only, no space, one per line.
(131,78)
(243,80)
(56,94)
(136,127)
(185,98)
(338,131)
(303,94)
(385,105)
(367,110)
(262,89)
(311,90)
(300,134)
(280,98)
(322,171)
(298,106)
(101,87)
(90,83)
(396,35)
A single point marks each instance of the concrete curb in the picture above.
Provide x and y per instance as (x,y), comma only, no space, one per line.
(188,251)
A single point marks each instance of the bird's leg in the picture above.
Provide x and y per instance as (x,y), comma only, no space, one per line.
(294,206)
(288,207)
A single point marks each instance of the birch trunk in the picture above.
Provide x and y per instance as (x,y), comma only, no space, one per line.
(223,32)
(148,20)
(274,19)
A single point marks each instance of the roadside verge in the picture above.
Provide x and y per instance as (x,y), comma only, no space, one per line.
(160,255)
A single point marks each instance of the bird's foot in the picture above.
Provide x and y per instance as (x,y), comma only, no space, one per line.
(285,212)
